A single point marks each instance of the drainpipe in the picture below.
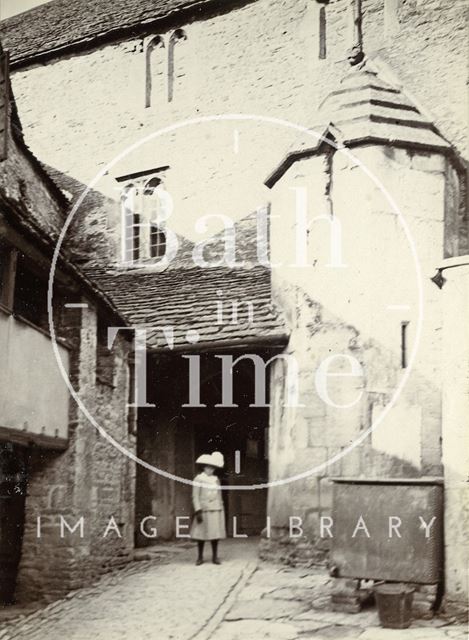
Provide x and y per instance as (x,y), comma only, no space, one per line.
(454,282)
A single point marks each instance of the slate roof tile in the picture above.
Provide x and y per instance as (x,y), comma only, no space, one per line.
(61,23)
(186,299)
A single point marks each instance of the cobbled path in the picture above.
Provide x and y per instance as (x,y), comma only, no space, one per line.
(240,600)
(173,601)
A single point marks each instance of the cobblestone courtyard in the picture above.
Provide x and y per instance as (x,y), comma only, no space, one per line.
(241,600)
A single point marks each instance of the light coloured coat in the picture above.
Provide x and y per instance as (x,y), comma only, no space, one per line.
(207,498)
(209,501)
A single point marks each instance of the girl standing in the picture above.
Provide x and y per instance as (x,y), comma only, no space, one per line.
(209,513)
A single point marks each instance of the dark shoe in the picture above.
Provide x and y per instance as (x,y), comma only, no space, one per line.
(199,561)
(216,561)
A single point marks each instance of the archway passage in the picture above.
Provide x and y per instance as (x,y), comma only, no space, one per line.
(172,435)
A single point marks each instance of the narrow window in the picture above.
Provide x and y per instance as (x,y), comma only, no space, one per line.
(130,225)
(155,43)
(157,242)
(176,36)
(322,29)
(157,237)
(149,194)
(404,345)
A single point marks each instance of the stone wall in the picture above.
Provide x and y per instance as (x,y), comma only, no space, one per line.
(422,44)
(80,110)
(258,59)
(90,480)
(356,309)
(455,295)
(27,189)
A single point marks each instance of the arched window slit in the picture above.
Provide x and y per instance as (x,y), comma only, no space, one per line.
(154,43)
(176,36)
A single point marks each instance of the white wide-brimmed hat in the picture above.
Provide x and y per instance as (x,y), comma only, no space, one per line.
(218,459)
(205,458)
(213,460)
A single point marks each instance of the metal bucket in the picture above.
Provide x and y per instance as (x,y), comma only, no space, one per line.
(394,601)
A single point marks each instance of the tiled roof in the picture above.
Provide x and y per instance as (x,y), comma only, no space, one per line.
(185,296)
(62,23)
(366,106)
(365,109)
(186,299)
(41,230)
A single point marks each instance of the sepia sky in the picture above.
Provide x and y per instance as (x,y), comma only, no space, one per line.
(11,7)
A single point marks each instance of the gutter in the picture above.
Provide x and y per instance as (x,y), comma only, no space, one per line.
(275,342)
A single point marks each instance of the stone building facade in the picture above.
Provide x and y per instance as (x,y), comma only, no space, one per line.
(368,294)
(61,481)
(233,89)
(228,63)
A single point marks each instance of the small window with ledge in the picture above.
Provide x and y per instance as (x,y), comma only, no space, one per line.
(24,290)
(404,344)
(145,206)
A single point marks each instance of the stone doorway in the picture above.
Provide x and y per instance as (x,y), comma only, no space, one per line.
(241,435)
(171,436)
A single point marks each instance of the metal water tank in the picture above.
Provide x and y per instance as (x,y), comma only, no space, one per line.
(377,551)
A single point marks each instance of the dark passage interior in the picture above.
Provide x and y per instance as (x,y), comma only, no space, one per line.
(13,481)
(171,436)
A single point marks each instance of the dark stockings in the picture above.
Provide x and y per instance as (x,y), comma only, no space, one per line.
(200,551)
